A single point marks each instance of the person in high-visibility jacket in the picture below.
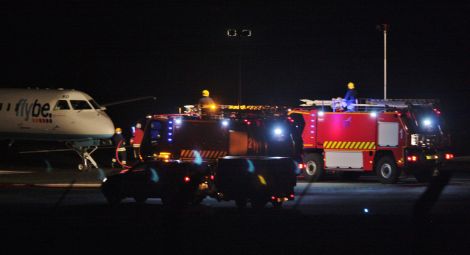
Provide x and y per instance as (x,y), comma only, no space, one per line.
(120,142)
(136,140)
(350,97)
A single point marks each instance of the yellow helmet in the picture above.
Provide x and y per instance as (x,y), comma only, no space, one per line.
(350,85)
(118,130)
(205,93)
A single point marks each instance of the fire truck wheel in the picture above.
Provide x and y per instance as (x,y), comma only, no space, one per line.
(387,170)
(258,203)
(241,203)
(423,175)
(313,167)
(140,199)
(277,205)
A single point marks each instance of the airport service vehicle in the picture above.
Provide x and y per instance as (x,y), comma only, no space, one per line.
(250,150)
(55,115)
(381,136)
(176,183)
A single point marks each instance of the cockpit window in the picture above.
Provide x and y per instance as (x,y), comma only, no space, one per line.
(94,104)
(80,105)
(62,105)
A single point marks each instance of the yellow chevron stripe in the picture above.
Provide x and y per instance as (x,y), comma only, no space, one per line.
(333,145)
(357,145)
(362,145)
(338,145)
(352,145)
(349,145)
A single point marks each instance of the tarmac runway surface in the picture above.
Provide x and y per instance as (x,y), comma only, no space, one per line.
(63,210)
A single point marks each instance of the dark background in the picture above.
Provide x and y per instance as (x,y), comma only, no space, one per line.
(172,50)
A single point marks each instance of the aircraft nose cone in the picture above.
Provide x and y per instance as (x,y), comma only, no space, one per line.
(106,126)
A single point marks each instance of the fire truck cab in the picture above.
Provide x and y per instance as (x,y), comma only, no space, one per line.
(249,151)
(387,137)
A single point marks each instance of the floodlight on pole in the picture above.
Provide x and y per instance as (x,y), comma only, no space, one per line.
(239,34)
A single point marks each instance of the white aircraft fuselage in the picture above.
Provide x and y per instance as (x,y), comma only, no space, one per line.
(52,115)
(56,115)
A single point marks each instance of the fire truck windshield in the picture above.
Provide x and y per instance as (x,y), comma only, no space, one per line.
(423,120)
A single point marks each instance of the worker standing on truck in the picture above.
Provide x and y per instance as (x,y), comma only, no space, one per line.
(350,97)
(206,104)
(136,140)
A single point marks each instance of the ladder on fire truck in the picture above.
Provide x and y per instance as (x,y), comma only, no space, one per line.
(368,104)
(228,111)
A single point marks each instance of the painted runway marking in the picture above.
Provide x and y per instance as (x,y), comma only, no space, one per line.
(14,172)
(67,185)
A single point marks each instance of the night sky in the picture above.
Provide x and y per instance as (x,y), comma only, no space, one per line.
(173,50)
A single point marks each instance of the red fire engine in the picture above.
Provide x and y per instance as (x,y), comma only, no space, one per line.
(388,137)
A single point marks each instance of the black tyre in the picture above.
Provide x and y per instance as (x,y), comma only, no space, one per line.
(176,200)
(241,203)
(140,199)
(277,205)
(350,176)
(196,200)
(112,193)
(387,170)
(424,175)
(313,167)
(258,203)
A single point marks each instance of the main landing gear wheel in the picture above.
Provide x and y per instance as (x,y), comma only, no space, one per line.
(84,150)
(83,167)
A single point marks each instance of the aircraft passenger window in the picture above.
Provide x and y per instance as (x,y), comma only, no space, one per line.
(80,105)
(94,104)
(1,105)
(62,105)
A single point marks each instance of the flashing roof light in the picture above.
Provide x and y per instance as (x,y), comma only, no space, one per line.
(427,122)
(225,123)
(278,131)
(178,121)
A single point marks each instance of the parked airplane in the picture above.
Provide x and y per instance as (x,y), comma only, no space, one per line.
(60,115)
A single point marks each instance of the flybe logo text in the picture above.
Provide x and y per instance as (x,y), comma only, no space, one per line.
(27,109)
